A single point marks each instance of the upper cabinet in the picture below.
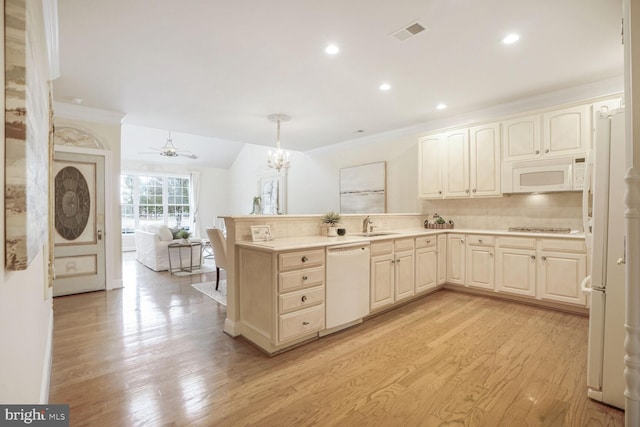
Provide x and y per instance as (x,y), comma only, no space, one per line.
(556,133)
(521,138)
(430,180)
(461,163)
(484,164)
(456,172)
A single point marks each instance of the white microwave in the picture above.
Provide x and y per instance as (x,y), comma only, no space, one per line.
(539,176)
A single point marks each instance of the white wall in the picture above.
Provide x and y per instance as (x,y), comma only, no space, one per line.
(313,179)
(26,312)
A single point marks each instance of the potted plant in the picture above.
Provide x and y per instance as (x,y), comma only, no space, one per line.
(184,235)
(331,219)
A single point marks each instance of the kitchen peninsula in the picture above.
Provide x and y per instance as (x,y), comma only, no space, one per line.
(276,290)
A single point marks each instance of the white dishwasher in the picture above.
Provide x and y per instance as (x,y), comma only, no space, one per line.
(347,286)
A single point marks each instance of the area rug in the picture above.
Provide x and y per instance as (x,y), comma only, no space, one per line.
(200,270)
(209,289)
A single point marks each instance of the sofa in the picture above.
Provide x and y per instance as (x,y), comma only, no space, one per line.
(151,248)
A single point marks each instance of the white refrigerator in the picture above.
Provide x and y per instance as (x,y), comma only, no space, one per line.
(605,236)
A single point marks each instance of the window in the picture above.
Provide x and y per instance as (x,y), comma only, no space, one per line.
(147,199)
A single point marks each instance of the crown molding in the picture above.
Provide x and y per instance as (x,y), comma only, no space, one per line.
(88,114)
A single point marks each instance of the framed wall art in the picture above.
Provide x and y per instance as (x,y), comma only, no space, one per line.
(363,188)
(27,151)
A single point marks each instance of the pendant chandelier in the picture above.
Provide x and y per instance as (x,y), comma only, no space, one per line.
(279,159)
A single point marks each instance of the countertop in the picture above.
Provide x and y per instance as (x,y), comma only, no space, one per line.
(308,242)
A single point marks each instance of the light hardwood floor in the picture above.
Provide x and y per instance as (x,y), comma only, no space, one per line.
(154,354)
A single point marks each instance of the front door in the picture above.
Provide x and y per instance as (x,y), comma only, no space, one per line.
(79,255)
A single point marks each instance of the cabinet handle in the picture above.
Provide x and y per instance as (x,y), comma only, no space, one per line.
(428,241)
(305,323)
(440,192)
(621,261)
(398,261)
(490,253)
(304,298)
(546,151)
(474,190)
(479,240)
(537,151)
(304,277)
(305,259)
(393,261)
(466,191)
(461,240)
(544,258)
(533,257)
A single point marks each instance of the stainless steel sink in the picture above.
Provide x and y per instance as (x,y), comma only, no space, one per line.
(375,233)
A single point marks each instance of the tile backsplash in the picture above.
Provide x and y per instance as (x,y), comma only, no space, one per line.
(537,210)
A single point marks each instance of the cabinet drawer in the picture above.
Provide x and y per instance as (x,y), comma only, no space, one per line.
(563,245)
(380,248)
(403,244)
(300,259)
(426,241)
(480,240)
(517,242)
(300,323)
(300,299)
(299,279)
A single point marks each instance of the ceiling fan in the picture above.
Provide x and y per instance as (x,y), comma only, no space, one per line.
(170,150)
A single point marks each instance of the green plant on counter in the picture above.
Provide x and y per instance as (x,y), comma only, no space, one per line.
(440,220)
(331,218)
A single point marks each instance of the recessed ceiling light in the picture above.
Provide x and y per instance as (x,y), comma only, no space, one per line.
(76,100)
(385,86)
(358,131)
(332,49)
(441,106)
(510,39)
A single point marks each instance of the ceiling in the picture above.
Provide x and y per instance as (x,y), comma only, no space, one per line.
(219,68)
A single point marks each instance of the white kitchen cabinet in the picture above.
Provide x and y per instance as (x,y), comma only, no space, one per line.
(567,132)
(442,259)
(516,265)
(392,271)
(480,262)
(283,296)
(382,275)
(426,263)
(484,160)
(521,138)
(456,251)
(430,167)
(558,133)
(562,265)
(456,165)
(461,163)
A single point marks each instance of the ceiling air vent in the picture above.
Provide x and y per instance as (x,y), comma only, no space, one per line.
(408,31)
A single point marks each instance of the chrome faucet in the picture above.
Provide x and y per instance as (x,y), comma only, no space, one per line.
(365,224)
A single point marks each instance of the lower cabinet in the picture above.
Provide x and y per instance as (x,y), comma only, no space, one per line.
(456,253)
(283,296)
(547,269)
(442,259)
(426,263)
(480,262)
(382,278)
(561,273)
(392,272)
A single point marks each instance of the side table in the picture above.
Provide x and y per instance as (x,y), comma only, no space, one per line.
(178,247)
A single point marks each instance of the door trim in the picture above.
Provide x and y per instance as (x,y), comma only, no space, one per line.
(111,221)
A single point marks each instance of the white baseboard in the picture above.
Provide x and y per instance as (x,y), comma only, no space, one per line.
(116,284)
